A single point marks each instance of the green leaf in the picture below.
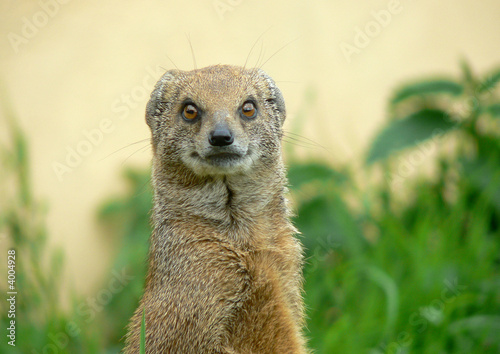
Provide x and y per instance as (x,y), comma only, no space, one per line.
(57,263)
(430,87)
(493,110)
(142,348)
(479,326)
(326,223)
(409,131)
(489,82)
(482,171)
(390,288)
(468,76)
(303,173)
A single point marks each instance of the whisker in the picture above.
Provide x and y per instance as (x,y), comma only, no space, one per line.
(302,141)
(144,148)
(172,62)
(143,188)
(126,146)
(260,54)
(289,82)
(187,82)
(298,137)
(192,51)
(298,144)
(254,44)
(279,50)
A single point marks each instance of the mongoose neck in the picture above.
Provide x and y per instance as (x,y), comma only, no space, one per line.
(227,206)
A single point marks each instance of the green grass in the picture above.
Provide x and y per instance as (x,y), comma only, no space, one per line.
(406,262)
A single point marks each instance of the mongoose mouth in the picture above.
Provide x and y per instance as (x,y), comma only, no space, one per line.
(223,159)
(217,162)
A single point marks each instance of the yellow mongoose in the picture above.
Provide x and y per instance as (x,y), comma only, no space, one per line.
(224,265)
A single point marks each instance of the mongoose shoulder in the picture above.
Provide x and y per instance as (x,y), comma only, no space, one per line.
(224,266)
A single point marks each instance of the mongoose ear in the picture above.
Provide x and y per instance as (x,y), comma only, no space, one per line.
(274,96)
(159,100)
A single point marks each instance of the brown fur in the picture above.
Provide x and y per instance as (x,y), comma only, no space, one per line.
(224,267)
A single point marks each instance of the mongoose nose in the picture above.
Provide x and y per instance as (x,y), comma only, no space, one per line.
(221,136)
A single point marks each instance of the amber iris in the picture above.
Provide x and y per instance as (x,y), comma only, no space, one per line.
(190,112)
(248,109)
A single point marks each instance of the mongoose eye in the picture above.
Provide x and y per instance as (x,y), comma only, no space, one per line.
(248,109)
(190,112)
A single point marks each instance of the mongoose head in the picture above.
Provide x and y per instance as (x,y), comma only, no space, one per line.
(218,120)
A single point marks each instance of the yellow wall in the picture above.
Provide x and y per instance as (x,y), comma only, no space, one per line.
(67,64)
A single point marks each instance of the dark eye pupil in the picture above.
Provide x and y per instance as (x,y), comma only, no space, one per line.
(248,109)
(190,112)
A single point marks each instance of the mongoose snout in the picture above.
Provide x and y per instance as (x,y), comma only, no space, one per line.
(222,144)
(221,136)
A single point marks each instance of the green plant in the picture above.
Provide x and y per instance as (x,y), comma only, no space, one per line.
(42,325)
(414,267)
(125,220)
(453,123)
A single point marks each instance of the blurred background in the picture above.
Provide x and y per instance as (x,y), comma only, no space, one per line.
(392,146)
